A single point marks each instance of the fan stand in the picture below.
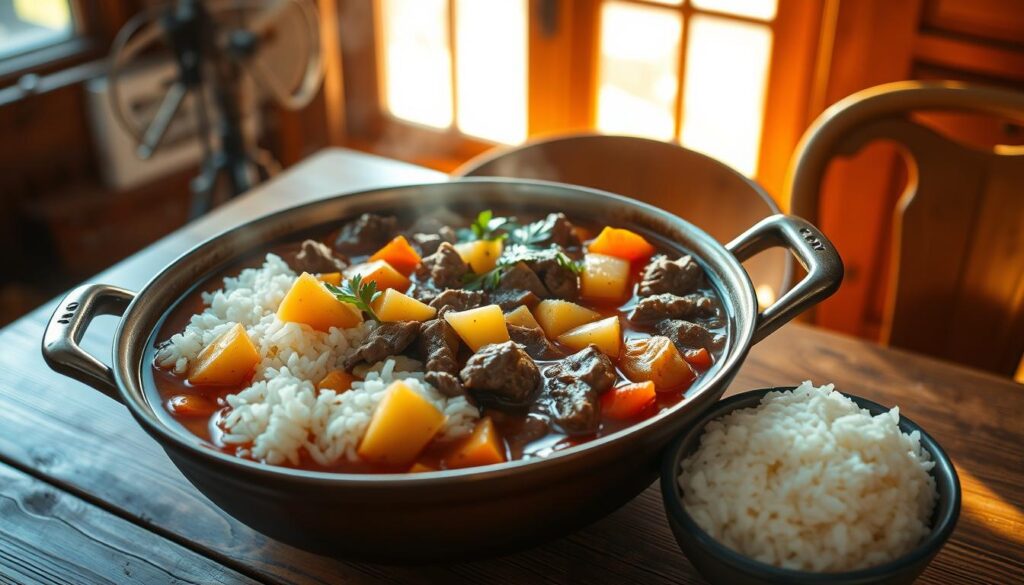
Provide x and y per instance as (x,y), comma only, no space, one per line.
(190,34)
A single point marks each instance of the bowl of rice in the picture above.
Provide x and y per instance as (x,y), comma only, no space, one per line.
(808,485)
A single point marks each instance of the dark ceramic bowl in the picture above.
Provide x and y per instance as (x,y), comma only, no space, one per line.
(720,564)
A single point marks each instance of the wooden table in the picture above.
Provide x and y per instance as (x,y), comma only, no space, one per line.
(86,496)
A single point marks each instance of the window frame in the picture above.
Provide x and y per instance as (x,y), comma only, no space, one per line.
(562,76)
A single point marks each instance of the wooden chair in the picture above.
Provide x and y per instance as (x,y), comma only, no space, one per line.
(957,272)
(693,186)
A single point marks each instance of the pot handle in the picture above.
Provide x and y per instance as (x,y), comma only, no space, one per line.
(67,326)
(811,248)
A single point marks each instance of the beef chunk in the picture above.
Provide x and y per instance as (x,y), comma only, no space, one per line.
(574,387)
(535,342)
(316,258)
(560,281)
(428,243)
(446,383)
(522,432)
(509,299)
(438,345)
(457,299)
(519,276)
(386,340)
(574,407)
(563,232)
(688,336)
(677,277)
(366,234)
(588,365)
(670,306)
(502,375)
(444,268)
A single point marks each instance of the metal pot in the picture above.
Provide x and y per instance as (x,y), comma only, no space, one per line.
(450,514)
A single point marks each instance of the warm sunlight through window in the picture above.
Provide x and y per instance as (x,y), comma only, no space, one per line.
(33,24)
(490,47)
(417,61)
(725,75)
(759,9)
(723,101)
(640,48)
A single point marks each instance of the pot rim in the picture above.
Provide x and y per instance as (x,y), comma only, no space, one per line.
(725,267)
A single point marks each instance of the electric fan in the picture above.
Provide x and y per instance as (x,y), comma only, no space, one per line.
(230,56)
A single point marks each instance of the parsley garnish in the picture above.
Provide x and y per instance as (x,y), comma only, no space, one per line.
(355,292)
(534,233)
(486,226)
(513,255)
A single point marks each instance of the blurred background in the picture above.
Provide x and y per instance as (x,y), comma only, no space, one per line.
(102,138)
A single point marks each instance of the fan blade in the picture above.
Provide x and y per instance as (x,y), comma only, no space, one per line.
(162,120)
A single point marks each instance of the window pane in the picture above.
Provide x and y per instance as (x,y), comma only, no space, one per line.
(26,25)
(490,61)
(638,71)
(417,61)
(762,9)
(726,76)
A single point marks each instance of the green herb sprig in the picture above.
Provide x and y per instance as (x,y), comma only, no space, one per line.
(534,233)
(486,226)
(513,255)
(355,292)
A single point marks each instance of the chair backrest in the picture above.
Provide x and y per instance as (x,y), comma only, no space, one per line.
(693,186)
(956,287)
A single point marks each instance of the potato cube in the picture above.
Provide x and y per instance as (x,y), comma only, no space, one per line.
(481,255)
(483,447)
(604,277)
(556,317)
(522,317)
(333,278)
(309,302)
(397,306)
(606,334)
(656,359)
(479,327)
(402,425)
(229,360)
(382,273)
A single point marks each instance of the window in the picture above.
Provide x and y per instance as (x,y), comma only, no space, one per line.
(696,72)
(27,25)
(443,80)
(457,64)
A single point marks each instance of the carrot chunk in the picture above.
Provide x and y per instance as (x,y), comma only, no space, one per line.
(337,380)
(381,272)
(621,243)
(399,254)
(309,302)
(191,405)
(627,401)
(483,447)
(700,359)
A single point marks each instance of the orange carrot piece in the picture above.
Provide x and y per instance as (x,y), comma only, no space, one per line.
(399,254)
(191,405)
(337,380)
(420,468)
(700,359)
(627,401)
(483,447)
(621,243)
(383,273)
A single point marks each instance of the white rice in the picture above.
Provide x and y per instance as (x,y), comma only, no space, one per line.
(809,481)
(282,414)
